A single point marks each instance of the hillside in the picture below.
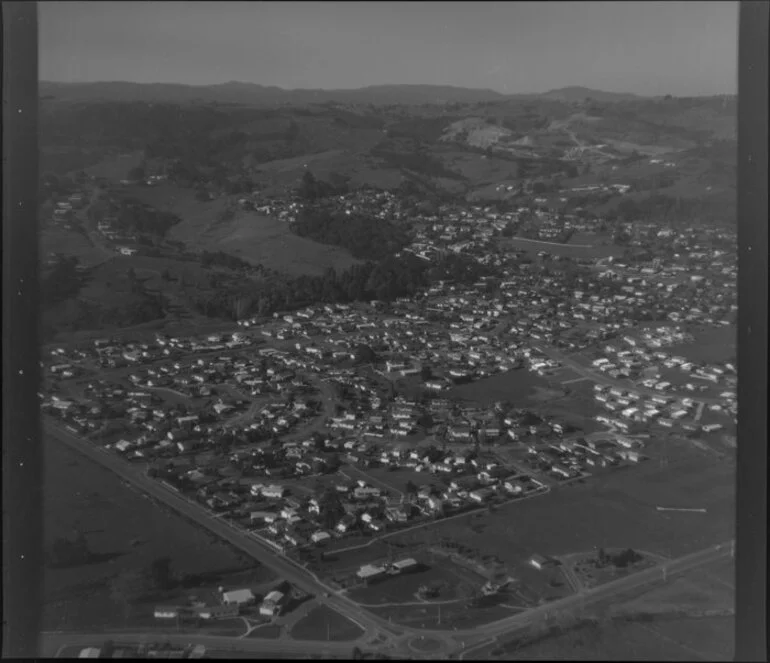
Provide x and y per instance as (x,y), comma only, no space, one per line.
(473,150)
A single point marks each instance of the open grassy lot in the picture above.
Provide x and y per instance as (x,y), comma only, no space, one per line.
(263,240)
(515,386)
(326,624)
(447,616)
(701,589)
(454,583)
(115,167)
(713,344)
(126,532)
(680,639)
(616,509)
(255,238)
(268,632)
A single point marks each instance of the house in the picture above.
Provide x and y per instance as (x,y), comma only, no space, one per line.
(166,612)
(364,492)
(539,561)
(370,572)
(513,487)
(273,492)
(403,566)
(320,537)
(346,523)
(273,604)
(90,652)
(396,514)
(218,611)
(481,495)
(238,597)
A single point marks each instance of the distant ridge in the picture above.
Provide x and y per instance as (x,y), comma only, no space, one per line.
(254,94)
(576,93)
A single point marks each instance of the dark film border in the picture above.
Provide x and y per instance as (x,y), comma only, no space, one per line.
(22,448)
(22,454)
(751,494)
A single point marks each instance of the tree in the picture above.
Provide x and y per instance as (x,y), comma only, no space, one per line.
(411,489)
(602,557)
(308,188)
(160,573)
(365,355)
(136,174)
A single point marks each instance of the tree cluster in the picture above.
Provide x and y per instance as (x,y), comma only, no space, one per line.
(365,237)
(62,281)
(660,207)
(311,189)
(134,216)
(69,551)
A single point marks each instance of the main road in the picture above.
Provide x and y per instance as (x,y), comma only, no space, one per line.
(254,547)
(392,638)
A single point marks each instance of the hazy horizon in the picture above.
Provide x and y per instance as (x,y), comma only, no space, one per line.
(644,48)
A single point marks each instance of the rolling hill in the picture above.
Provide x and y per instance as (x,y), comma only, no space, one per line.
(254,94)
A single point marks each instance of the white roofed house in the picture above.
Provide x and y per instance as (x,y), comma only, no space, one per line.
(273,604)
(370,572)
(403,566)
(238,597)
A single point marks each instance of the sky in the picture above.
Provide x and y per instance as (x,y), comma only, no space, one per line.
(648,48)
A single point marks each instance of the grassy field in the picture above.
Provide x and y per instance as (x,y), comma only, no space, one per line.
(515,386)
(266,632)
(250,236)
(613,510)
(323,623)
(455,583)
(446,616)
(710,638)
(115,167)
(125,531)
(70,243)
(711,345)
(570,250)
(263,240)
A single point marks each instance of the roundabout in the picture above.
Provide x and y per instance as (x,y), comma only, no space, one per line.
(422,645)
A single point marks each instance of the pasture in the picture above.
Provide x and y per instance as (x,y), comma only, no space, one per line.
(70,243)
(447,616)
(614,509)
(672,639)
(115,167)
(267,241)
(126,532)
(255,238)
